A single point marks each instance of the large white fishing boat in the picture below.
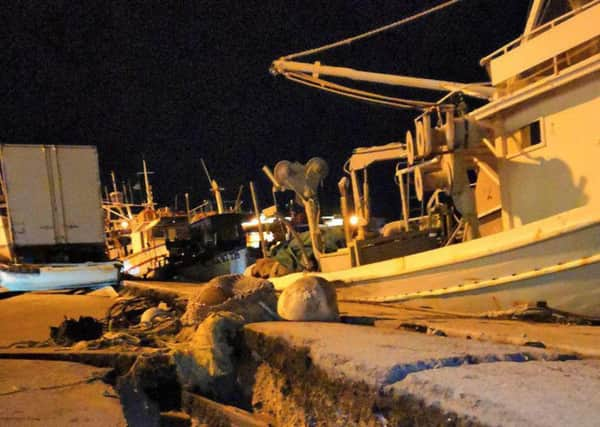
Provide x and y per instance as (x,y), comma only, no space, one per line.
(509,192)
(51,228)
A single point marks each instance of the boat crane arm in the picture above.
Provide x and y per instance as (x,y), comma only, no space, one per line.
(477,90)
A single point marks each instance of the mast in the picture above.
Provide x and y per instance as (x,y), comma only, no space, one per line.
(214,187)
(534,13)
(149,198)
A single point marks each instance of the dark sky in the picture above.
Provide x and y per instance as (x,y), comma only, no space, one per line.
(180,81)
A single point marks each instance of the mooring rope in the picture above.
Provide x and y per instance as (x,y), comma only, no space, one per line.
(357,94)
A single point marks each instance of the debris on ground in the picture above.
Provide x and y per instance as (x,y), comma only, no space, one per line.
(309,298)
(206,364)
(252,298)
(127,312)
(266,268)
(540,312)
(71,331)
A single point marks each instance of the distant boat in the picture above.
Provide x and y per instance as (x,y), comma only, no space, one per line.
(51,228)
(216,244)
(136,234)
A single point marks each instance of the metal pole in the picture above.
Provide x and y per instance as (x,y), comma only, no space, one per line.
(114,181)
(125,196)
(149,198)
(238,200)
(187,205)
(343,187)
(131,196)
(358,208)
(257,213)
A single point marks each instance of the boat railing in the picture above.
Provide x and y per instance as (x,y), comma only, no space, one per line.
(208,207)
(537,31)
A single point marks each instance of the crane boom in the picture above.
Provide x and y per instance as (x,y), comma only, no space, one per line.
(282,66)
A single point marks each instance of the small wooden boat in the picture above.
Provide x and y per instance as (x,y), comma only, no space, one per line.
(24,277)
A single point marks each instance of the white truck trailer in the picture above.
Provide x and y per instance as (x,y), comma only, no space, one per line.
(51,211)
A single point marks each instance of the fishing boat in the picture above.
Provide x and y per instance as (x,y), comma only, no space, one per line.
(508,193)
(216,242)
(51,229)
(137,234)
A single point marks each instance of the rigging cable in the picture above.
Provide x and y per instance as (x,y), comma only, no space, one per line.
(357,94)
(372,32)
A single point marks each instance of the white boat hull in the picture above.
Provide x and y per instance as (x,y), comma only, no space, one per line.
(556,260)
(61,276)
(146,263)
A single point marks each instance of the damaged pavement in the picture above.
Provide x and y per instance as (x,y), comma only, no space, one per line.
(222,354)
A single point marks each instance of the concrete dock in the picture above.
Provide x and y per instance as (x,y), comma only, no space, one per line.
(416,367)
(43,393)
(382,365)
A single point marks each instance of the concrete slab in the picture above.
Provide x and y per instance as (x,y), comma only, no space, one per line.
(28,317)
(169,289)
(582,340)
(380,356)
(116,359)
(36,393)
(511,394)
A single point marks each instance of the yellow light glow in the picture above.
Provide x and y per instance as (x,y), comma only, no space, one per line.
(354,220)
(124,225)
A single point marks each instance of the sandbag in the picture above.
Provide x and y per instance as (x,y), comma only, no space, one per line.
(309,298)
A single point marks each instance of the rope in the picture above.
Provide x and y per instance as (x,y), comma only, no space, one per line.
(357,94)
(372,32)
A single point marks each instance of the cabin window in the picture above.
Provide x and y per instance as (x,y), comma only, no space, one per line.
(158,233)
(525,139)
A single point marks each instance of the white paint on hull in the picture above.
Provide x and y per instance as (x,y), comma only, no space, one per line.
(556,260)
(62,276)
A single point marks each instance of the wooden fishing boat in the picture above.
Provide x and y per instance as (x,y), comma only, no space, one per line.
(519,220)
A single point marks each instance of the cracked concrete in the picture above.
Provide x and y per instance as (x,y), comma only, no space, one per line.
(383,356)
(512,394)
(382,376)
(42,393)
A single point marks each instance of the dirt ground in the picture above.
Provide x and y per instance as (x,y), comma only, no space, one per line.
(28,317)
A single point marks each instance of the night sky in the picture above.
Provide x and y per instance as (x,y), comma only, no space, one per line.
(181,81)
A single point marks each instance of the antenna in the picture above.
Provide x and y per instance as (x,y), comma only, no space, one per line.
(114,181)
(149,198)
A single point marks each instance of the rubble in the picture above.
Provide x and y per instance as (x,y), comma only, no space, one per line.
(252,298)
(206,364)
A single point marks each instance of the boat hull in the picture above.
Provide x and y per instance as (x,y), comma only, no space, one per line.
(61,276)
(147,263)
(556,261)
(231,262)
